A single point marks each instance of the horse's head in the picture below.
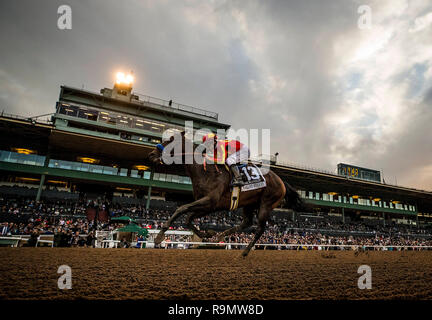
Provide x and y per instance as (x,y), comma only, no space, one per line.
(156,155)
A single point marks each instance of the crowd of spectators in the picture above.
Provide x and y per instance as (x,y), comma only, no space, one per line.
(66,220)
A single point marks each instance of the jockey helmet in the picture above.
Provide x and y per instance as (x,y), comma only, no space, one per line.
(209,136)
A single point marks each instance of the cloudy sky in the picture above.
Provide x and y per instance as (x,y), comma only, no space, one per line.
(329,90)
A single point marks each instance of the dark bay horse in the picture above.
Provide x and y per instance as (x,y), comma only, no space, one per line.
(211,191)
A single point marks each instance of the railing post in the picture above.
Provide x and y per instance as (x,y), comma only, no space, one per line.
(343,215)
(149,190)
(42,179)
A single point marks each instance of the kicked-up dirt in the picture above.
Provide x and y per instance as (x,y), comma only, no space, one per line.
(31,273)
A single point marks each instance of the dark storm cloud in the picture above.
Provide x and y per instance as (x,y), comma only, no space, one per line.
(283,65)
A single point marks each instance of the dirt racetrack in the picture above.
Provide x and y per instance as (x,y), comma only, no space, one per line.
(31,273)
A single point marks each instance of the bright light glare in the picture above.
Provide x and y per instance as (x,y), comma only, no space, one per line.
(124,79)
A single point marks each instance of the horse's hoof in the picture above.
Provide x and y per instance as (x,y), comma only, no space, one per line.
(245,253)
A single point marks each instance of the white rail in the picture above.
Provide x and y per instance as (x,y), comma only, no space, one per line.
(228,245)
(17,239)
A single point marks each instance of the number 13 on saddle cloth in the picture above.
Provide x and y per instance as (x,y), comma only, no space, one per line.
(255,180)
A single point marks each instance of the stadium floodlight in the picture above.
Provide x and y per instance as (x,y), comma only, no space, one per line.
(126,79)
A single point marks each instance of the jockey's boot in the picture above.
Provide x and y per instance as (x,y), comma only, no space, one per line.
(237,181)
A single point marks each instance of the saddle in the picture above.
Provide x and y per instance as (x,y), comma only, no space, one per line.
(253,179)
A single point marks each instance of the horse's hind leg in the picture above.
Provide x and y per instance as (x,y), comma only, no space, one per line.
(199,233)
(263,216)
(246,223)
(200,204)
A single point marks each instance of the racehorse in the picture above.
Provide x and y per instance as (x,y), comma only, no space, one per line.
(211,191)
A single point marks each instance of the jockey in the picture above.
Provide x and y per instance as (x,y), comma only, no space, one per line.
(229,152)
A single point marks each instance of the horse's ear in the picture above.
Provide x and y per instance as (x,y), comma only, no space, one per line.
(171,139)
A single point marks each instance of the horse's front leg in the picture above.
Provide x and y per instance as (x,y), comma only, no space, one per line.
(203,204)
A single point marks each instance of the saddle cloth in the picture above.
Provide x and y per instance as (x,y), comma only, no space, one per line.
(252,177)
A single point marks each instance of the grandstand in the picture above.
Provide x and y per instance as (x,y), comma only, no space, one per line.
(94,146)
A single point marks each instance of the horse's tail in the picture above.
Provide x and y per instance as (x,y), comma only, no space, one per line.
(292,198)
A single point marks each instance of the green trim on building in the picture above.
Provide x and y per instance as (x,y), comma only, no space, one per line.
(334,204)
(91,176)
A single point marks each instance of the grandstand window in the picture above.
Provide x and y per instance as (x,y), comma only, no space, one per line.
(88,114)
(107,117)
(52,163)
(139,138)
(110,170)
(4,156)
(310,195)
(84,167)
(317,196)
(96,169)
(75,165)
(125,121)
(351,200)
(391,205)
(68,110)
(14,157)
(325,197)
(64,164)
(123,172)
(134,174)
